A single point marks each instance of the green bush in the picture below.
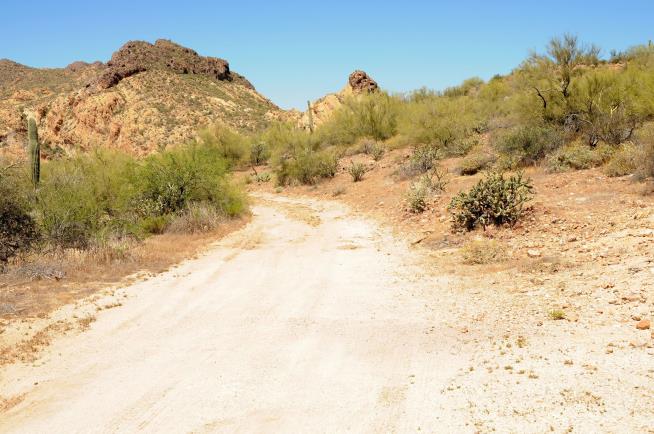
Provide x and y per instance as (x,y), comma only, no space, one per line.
(528,144)
(645,139)
(80,196)
(430,183)
(423,159)
(18,230)
(624,161)
(417,197)
(475,162)
(438,122)
(156,224)
(262,177)
(373,148)
(231,146)
(578,156)
(371,115)
(259,153)
(305,167)
(496,199)
(646,166)
(356,171)
(172,180)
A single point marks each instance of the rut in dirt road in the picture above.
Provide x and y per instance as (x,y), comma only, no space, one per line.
(309,319)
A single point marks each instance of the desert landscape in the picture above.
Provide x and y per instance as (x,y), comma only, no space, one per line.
(180,254)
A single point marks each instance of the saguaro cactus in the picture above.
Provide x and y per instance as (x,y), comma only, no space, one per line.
(35,151)
(310,116)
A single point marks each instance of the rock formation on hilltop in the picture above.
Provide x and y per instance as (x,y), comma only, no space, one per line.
(359,82)
(147,96)
(140,56)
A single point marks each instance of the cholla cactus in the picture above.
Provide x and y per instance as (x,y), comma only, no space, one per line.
(35,151)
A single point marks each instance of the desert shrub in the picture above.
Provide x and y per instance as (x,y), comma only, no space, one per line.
(482,251)
(230,145)
(528,144)
(464,146)
(422,159)
(436,121)
(372,148)
(80,196)
(156,224)
(430,183)
(645,138)
(624,161)
(469,86)
(476,161)
(417,197)
(339,191)
(556,314)
(306,167)
(356,171)
(496,199)
(259,153)
(578,156)
(371,115)
(646,166)
(262,177)
(170,181)
(435,180)
(18,230)
(198,217)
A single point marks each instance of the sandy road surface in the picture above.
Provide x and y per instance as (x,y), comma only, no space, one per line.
(309,319)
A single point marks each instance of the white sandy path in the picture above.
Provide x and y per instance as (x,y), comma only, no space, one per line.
(288,325)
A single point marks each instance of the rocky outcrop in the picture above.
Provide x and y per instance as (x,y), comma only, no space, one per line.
(147,96)
(361,82)
(139,56)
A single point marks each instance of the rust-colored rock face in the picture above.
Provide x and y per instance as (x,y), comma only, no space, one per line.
(140,56)
(145,97)
(361,82)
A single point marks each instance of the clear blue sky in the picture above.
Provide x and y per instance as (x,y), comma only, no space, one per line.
(294,51)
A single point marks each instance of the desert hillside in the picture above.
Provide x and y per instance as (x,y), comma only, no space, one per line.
(472,259)
(148,96)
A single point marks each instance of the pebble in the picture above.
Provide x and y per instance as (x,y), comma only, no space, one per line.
(644,324)
(533,253)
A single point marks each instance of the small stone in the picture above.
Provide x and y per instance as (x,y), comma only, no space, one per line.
(533,253)
(644,324)
(631,297)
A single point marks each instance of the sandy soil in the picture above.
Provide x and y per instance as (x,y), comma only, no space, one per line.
(308,320)
(316,318)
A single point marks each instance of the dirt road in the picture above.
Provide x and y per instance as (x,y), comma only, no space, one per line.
(310,319)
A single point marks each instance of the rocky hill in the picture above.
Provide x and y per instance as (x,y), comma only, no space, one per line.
(146,97)
(359,82)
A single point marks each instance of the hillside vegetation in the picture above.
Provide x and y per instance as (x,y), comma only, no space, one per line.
(564,109)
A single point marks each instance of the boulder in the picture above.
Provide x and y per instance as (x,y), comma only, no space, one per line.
(361,82)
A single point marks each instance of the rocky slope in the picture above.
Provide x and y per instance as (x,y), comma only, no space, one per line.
(146,97)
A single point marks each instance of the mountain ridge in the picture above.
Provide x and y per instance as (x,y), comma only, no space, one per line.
(147,96)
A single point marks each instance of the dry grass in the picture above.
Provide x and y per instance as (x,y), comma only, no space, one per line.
(482,251)
(38,284)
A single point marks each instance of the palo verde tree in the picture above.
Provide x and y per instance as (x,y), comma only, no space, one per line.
(552,74)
